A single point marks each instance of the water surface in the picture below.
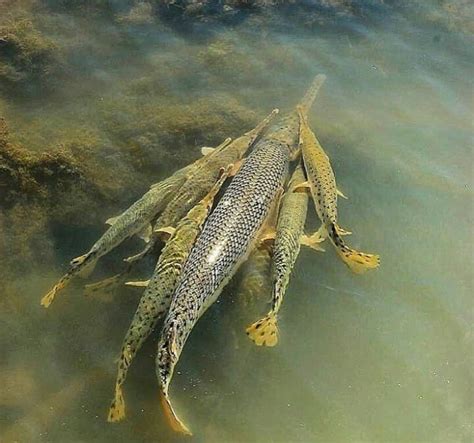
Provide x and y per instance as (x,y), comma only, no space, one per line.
(383,357)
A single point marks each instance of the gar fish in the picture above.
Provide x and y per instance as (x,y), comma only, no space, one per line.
(136,219)
(322,186)
(200,183)
(288,239)
(156,298)
(254,276)
(226,240)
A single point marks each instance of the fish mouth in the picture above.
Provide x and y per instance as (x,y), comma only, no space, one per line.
(173,420)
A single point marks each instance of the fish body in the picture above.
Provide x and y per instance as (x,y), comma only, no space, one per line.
(134,220)
(196,187)
(224,243)
(286,247)
(254,278)
(322,186)
(156,298)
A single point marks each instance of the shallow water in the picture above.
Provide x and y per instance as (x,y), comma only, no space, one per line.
(383,357)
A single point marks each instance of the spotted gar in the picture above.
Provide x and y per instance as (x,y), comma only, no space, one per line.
(136,219)
(226,239)
(156,298)
(289,237)
(202,180)
(322,186)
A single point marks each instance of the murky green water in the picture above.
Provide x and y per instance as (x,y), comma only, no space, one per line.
(383,357)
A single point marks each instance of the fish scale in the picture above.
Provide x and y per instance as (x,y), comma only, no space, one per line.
(322,186)
(288,238)
(226,240)
(157,296)
(234,223)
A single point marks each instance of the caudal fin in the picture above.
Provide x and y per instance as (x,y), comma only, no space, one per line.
(358,262)
(264,332)
(49,297)
(117,407)
(173,420)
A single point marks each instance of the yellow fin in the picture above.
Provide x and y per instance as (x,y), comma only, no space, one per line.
(264,332)
(117,408)
(206,150)
(165,232)
(49,297)
(340,194)
(145,234)
(342,231)
(268,237)
(235,168)
(312,241)
(86,269)
(173,420)
(78,260)
(302,187)
(138,283)
(110,221)
(358,262)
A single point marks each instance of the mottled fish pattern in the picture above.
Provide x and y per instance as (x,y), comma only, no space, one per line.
(203,178)
(322,186)
(157,296)
(134,220)
(226,240)
(288,238)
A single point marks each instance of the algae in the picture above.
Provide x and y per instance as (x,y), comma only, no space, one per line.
(27,56)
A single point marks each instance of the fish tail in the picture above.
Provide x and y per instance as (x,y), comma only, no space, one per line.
(80,266)
(173,420)
(117,407)
(308,99)
(358,262)
(50,296)
(264,332)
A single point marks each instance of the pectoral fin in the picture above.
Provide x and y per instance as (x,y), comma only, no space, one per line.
(110,221)
(164,233)
(342,231)
(235,168)
(268,237)
(205,150)
(312,241)
(145,234)
(340,194)
(138,283)
(302,187)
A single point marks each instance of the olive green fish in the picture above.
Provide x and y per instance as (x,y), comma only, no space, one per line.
(200,183)
(135,220)
(322,186)
(227,238)
(156,298)
(254,277)
(288,238)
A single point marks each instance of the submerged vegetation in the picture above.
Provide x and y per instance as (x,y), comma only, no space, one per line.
(101,98)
